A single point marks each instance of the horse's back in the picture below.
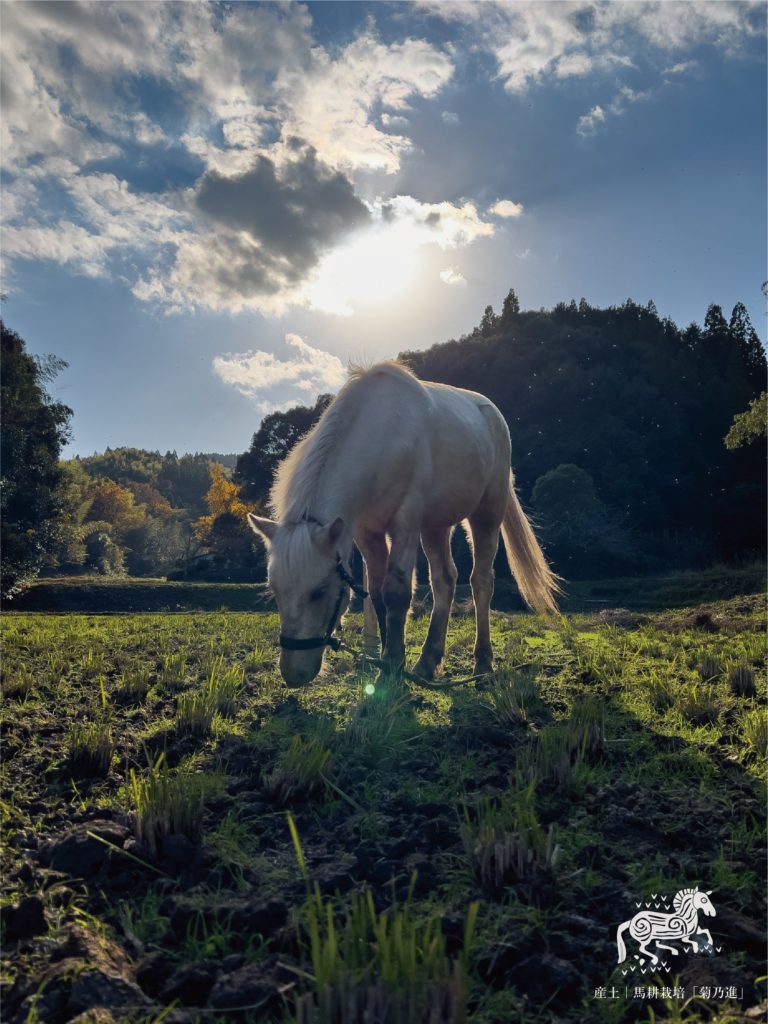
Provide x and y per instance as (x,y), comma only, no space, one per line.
(449,444)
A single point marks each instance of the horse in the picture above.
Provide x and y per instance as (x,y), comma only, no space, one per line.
(393,461)
(647,926)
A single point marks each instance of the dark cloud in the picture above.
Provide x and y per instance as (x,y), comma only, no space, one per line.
(295,211)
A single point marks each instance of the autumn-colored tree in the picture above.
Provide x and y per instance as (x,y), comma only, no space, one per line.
(222,498)
(224,532)
(115,505)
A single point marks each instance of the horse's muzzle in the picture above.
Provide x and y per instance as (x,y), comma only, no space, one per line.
(299,669)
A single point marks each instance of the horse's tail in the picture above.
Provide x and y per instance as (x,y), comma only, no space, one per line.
(620,942)
(536,581)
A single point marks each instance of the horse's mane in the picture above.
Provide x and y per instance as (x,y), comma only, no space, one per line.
(682,898)
(298,475)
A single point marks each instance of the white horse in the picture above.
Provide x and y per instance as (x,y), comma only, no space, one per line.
(648,926)
(393,460)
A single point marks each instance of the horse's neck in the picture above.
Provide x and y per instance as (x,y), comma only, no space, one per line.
(339,493)
(691,915)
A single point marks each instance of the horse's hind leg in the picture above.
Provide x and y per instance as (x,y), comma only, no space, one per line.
(442,578)
(649,952)
(663,945)
(485,543)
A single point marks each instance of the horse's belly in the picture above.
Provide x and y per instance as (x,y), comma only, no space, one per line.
(448,506)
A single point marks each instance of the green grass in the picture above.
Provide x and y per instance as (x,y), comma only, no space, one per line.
(602,759)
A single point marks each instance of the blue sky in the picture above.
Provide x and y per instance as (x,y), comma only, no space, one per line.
(209,209)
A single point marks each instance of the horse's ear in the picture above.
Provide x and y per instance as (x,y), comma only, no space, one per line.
(264,527)
(329,535)
(709,892)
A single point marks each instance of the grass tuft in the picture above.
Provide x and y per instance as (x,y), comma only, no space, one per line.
(741,680)
(504,841)
(709,669)
(134,684)
(90,750)
(18,685)
(194,713)
(754,725)
(299,770)
(165,804)
(512,698)
(700,704)
(225,687)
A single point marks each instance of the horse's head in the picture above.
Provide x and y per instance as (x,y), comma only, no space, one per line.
(701,901)
(310,590)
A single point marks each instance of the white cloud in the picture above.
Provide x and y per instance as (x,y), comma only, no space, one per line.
(452,276)
(307,371)
(247,81)
(329,103)
(65,243)
(587,123)
(573,64)
(680,67)
(506,208)
(531,40)
(448,117)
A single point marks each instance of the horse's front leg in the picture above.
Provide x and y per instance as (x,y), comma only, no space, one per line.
(373,547)
(442,578)
(397,591)
(710,942)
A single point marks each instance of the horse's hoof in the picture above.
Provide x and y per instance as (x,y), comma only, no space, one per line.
(423,670)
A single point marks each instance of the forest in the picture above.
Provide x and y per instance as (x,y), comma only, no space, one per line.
(633,448)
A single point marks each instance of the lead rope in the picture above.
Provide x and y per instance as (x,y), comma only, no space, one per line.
(367,659)
(337,644)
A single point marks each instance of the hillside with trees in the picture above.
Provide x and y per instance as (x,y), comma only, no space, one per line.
(636,447)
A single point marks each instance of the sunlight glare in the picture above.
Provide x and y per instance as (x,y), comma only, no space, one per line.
(373,267)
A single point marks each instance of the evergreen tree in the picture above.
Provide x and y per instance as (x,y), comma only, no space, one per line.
(510,307)
(489,322)
(277,434)
(751,351)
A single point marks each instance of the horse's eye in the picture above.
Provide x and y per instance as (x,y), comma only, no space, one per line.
(318,594)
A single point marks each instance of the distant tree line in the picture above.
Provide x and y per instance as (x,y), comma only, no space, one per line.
(636,446)
(133,512)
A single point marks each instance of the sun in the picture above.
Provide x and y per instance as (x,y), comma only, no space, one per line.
(373,267)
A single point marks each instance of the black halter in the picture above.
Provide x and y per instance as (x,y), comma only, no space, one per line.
(289,643)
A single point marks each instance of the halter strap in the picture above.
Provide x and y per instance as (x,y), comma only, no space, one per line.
(289,643)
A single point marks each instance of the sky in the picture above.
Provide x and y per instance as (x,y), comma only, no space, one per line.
(209,210)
